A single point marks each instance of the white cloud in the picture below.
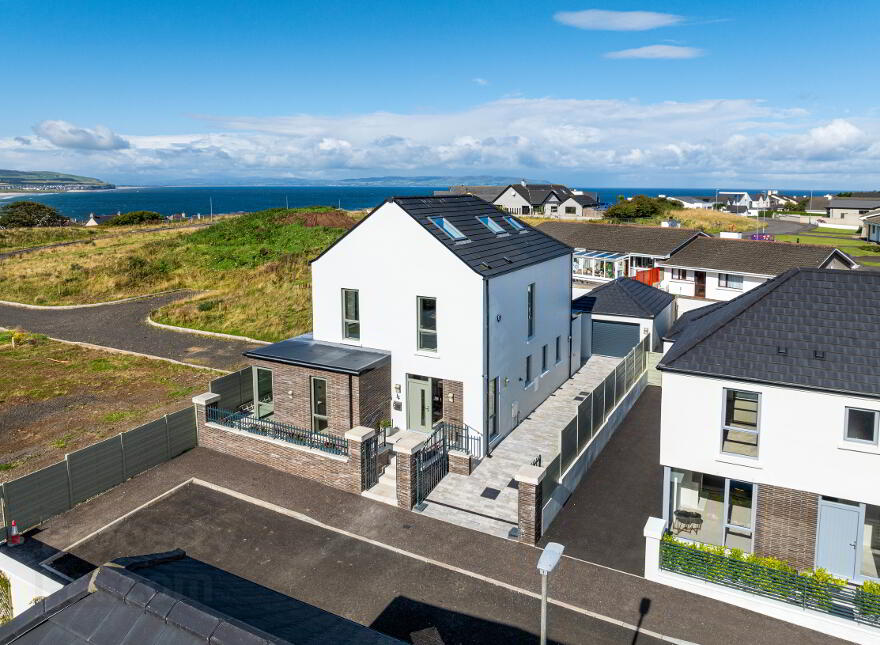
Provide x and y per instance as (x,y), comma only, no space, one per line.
(657,51)
(668,142)
(616,20)
(67,135)
(480,81)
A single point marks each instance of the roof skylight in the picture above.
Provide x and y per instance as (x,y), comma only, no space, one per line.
(447,227)
(491,224)
(516,225)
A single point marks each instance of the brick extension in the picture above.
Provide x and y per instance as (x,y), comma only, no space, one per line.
(785,526)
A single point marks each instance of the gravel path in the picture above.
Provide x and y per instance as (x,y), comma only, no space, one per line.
(123,326)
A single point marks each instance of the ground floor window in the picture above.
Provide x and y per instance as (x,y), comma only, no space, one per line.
(710,509)
(871,542)
(263,401)
(570,210)
(319,404)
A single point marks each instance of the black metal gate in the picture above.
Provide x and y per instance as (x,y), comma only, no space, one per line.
(431,464)
(370,473)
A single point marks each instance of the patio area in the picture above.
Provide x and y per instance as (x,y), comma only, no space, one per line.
(487,499)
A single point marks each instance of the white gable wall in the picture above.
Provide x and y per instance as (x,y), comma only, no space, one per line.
(511,201)
(392,260)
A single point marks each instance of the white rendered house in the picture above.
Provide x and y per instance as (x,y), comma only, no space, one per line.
(770,426)
(473,305)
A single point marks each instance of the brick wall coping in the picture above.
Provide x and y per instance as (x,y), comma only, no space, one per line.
(530,475)
(278,442)
(410,442)
(655,527)
(459,453)
(206,398)
(360,433)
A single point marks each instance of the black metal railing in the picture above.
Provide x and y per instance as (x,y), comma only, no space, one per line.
(458,437)
(836,599)
(241,420)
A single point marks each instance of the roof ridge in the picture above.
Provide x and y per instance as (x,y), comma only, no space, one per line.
(772,285)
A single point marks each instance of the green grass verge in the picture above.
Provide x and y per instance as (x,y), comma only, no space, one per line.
(852,246)
(14,239)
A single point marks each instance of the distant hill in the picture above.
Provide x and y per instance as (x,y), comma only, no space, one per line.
(394,181)
(43,177)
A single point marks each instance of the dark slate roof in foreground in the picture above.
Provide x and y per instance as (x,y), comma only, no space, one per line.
(487,253)
(624,297)
(648,240)
(771,334)
(305,351)
(139,601)
(752,256)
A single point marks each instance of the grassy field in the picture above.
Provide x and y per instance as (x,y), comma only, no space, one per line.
(848,244)
(12,239)
(253,268)
(702,220)
(56,397)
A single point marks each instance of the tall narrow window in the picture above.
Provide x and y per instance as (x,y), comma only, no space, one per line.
(427,324)
(319,404)
(558,349)
(351,314)
(530,309)
(528,369)
(543,359)
(740,432)
(492,407)
(263,401)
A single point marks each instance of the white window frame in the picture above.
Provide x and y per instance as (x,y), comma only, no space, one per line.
(420,330)
(345,320)
(680,272)
(846,438)
(725,427)
(724,281)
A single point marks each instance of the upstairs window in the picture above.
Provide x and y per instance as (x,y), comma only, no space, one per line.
(861,425)
(516,225)
(427,324)
(351,315)
(530,310)
(491,224)
(729,281)
(740,432)
(447,227)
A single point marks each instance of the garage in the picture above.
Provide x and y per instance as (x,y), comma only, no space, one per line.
(611,338)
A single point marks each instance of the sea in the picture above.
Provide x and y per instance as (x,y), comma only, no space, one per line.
(226,199)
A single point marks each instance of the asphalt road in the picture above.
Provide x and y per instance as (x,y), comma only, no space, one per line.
(123,326)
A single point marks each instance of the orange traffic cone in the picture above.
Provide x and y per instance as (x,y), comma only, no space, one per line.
(14,538)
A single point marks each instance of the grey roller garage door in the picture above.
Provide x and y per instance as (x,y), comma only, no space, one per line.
(614,338)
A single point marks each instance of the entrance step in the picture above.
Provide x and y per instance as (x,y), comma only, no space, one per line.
(469,520)
(390,475)
(382,492)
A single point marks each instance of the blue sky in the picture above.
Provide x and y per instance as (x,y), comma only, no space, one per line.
(625,93)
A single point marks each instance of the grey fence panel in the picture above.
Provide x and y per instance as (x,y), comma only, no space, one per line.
(94,469)
(569,444)
(585,421)
(551,480)
(181,431)
(38,496)
(619,381)
(145,446)
(609,397)
(229,389)
(246,383)
(598,405)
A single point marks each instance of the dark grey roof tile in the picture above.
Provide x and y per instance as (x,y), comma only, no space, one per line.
(160,605)
(594,236)
(140,595)
(229,634)
(624,297)
(112,580)
(193,619)
(67,594)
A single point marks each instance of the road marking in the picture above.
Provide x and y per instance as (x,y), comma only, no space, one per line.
(437,563)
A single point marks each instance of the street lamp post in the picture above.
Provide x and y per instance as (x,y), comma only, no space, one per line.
(546,563)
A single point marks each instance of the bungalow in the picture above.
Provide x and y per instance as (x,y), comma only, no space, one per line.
(769,423)
(604,252)
(486,193)
(530,199)
(849,210)
(871,225)
(579,205)
(690,202)
(723,268)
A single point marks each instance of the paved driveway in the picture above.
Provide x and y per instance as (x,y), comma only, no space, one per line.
(123,326)
(602,521)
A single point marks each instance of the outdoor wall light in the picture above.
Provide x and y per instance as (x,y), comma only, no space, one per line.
(506,381)
(397,389)
(290,393)
(451,396)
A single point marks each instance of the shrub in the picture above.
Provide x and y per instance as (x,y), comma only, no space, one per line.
(134,217)
(640,206)
(30,214)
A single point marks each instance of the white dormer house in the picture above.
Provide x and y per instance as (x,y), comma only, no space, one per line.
(473,306)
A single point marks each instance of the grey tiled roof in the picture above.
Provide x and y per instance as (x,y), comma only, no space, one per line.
(751,256)
(304,350)
(855,202)
(132,602)
(771,334)
(535,194)
(587,199)
(649,240)
(486,193)
(624,297)
(873,216)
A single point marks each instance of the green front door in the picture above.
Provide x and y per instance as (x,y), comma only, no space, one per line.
(418,404)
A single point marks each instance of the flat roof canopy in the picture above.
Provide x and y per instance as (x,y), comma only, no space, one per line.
(305,351)
(600,255)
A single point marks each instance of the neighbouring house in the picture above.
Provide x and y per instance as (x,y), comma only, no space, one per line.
(486,193)
(624,311)
(735,201)
(849,210)
(173,598)
(723,268)
(97,220)
(871,225)
(580,205)
(605,252)
(770,422)
(818,205)
(544,199)
(691,202)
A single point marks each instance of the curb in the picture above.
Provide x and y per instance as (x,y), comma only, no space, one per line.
(202,332)
(23,305)
(116,350)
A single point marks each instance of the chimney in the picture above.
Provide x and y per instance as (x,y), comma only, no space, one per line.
(522,182)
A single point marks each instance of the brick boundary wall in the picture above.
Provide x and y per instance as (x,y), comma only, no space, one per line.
(529,503)
(460,463)
(785,525)
(338,471)
(406,448)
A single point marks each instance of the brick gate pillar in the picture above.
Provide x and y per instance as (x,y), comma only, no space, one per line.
(529,483)
(406,448)
(201,402)
(356,438)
